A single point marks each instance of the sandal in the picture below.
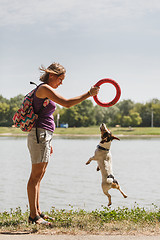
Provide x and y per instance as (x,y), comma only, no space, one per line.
(44,216)
(34,220)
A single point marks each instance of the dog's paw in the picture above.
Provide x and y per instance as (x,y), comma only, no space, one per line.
(109,204)
(98,168)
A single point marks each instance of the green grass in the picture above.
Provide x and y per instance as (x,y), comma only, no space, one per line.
(91,131)
(120,220)
(117,131)
(136,131)
(10,130)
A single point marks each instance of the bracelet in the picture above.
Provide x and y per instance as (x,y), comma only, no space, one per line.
(89,93)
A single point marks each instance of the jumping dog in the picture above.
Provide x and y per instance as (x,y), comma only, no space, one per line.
(104,159)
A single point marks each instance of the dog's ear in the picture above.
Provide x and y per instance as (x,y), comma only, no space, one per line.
(114,137)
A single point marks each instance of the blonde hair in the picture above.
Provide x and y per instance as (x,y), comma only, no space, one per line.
(54,68)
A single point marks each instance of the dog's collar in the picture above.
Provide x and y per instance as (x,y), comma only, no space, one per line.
(102,148)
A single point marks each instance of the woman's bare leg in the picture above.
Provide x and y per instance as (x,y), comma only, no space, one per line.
(33,187)
(38,190)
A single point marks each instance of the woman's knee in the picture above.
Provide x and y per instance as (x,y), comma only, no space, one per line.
(34,180)
(38,171)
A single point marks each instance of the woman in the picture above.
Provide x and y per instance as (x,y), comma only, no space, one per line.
(39,139)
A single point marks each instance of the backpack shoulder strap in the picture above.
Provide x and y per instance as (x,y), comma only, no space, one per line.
(34,83)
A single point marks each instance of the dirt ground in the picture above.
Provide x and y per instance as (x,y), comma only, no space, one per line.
(21,236)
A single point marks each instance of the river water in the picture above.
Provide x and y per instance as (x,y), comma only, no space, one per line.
(68,181)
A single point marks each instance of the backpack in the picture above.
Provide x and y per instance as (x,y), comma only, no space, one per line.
(25,117)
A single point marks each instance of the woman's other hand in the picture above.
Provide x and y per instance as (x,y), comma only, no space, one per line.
(51,151)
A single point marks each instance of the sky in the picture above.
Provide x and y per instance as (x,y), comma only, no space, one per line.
(92,39)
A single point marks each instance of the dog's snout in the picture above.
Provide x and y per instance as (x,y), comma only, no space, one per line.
(103,127)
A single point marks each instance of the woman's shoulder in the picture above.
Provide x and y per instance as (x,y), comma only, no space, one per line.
(42,86)
(41,91)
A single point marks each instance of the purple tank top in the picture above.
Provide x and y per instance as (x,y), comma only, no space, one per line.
(45,117)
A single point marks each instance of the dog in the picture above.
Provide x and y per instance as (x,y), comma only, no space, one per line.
(104,159)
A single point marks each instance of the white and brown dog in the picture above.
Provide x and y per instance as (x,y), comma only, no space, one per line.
(104,159)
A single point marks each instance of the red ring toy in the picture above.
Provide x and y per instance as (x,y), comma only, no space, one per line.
(118,94)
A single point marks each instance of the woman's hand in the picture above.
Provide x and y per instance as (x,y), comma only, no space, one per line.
(94,91)
(51,151)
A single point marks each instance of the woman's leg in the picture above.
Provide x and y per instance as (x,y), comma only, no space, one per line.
(38,189)
(33,187)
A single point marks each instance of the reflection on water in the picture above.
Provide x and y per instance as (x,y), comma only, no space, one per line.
(69,181)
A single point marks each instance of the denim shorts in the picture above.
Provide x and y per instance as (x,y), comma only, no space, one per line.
(39,152)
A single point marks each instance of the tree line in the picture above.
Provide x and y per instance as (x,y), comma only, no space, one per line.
(125,113)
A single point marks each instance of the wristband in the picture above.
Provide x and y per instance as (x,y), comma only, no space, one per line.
(89,93)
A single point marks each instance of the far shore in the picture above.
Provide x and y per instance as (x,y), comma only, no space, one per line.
(121,132)
(79,135)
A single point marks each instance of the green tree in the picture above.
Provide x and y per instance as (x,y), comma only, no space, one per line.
(4,113)
(100,114)
(125,113)
(15,104)
(126,121)
(3,100)
(69,116)
(156,114)
(79,115)
(113,116)
(17,101)
(125,106)
(136,119)
(145,114)
(8,108)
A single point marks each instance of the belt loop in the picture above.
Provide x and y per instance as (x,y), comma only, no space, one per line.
(37,135)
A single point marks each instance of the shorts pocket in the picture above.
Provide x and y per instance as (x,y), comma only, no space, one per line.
(42,136)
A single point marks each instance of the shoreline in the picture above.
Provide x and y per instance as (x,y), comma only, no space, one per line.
(107,222)
(83,135)
(121,132)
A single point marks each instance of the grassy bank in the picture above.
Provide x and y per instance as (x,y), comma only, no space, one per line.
(117,131)
(90,131)
(105,221)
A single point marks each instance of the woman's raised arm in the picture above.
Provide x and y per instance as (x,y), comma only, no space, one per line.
(46,91)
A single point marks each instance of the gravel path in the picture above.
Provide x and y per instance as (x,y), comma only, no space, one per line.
(76,237)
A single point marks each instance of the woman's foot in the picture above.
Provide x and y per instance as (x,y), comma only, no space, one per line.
(46,217)
(38,220)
